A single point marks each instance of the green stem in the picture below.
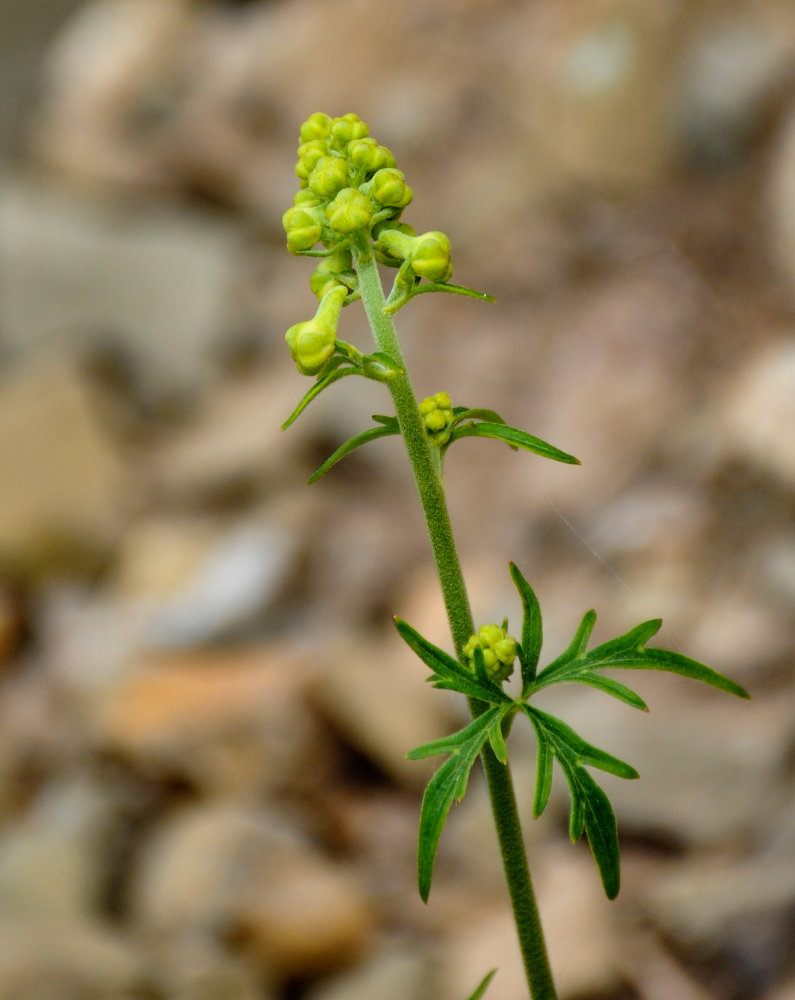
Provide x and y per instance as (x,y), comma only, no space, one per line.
(430,486)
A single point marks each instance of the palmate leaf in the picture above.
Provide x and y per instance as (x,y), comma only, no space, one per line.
(514,437)
(590,808)
(448,673)
(449,783)
(629,652)
(386,426)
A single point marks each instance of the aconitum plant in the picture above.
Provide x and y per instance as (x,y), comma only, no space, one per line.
(348,213)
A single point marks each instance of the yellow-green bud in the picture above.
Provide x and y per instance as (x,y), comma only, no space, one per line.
(303,228)
(309,153)
(306,198)
(329,176)
(315,127)
(312,342)
(340,262)
(349,212)
(498,648)
(389,188)
(428,254)
(366,154)
(430,257)
(346,128)
(437,412)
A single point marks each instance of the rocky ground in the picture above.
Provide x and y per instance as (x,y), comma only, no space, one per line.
(204,709)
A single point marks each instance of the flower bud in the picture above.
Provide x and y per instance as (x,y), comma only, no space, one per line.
(303,228)
(347,128)
(437,412)
(349,212)
(428,254)
(498,648)
(389,188)
(329,176)
(430,257)
(312,342)
(309,153)
(315,127)
(306,198)
(339,262)
(366,154)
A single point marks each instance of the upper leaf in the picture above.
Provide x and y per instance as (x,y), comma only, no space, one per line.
(333,375)
(514,437)
(386,427)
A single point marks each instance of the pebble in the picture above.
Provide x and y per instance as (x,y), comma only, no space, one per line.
(65,488)
(63,958)
(377,700)
(233,723)
(216,868)
(755,405)
(150,281)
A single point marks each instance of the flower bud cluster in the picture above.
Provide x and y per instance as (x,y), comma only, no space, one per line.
(499,650)
(437,414)
(349,182)
(351,192)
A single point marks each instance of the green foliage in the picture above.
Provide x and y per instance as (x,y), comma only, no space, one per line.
(494,709)
(483,986)
(347,212)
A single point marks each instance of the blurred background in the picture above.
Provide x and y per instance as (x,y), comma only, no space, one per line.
(204,709)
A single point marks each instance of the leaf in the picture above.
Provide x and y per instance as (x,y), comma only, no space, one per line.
(576,647)
(601,831)
(447,784)
(627,652)
(543,776)
(453,742)
(514,437)
(446,672)
(483,986)
(590,808)
(322,383)
(461,413)
(614,688)
(674,663)
(446,286)
(532,633)
(497,741)
(351,445)
(564,735)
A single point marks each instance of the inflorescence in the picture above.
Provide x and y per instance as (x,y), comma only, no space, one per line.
(350,200)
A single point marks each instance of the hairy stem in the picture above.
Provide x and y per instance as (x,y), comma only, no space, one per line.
(428,478)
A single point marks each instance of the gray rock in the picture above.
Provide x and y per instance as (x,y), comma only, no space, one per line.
(377,700)
(199,581)
(64,485)
(399,971)
(48,958)
(708,763)
(217,869)
(51,859)
(760,400)
(153,281)
(734,66)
